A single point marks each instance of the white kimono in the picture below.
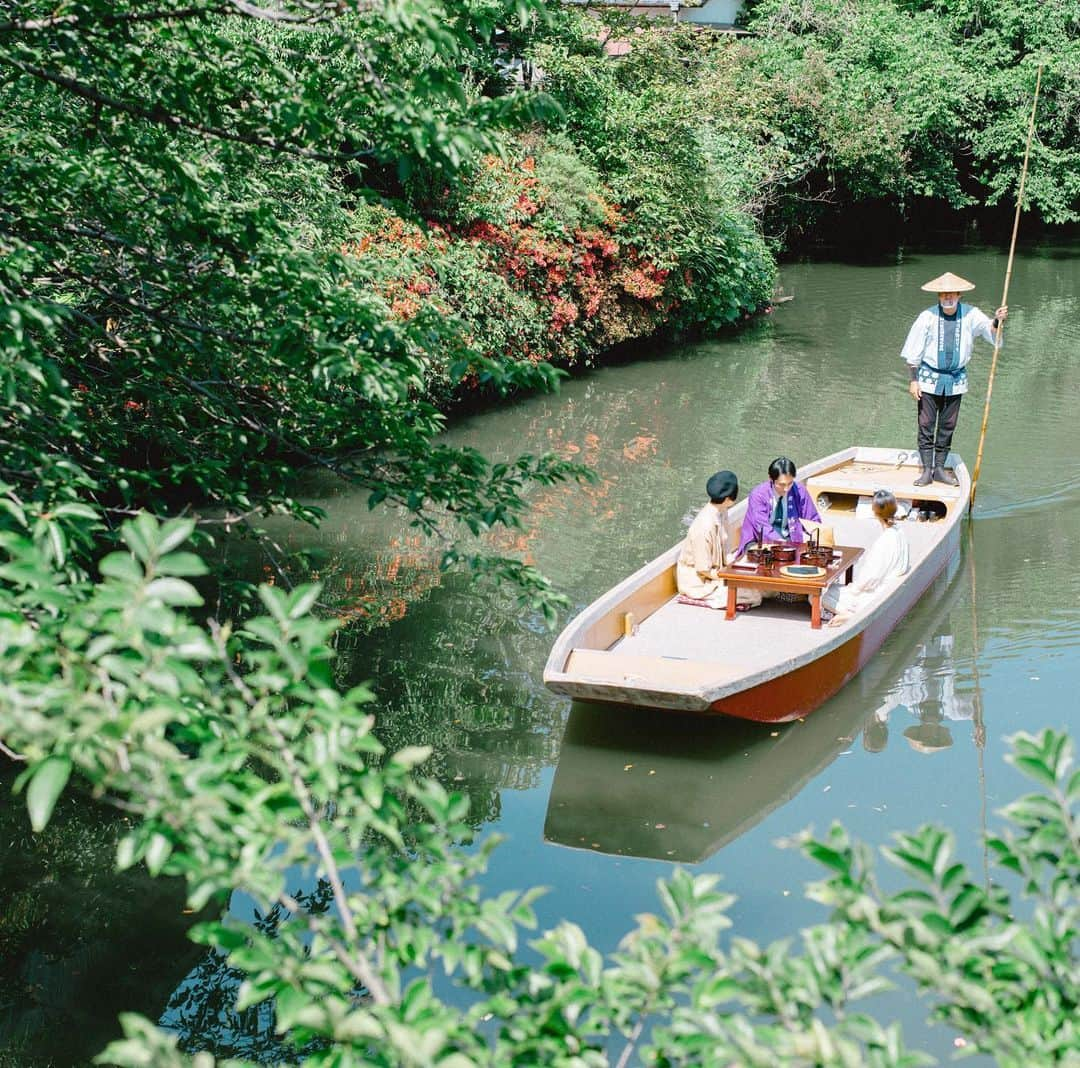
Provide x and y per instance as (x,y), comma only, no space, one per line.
(703,553)
(887,558)
(921,349)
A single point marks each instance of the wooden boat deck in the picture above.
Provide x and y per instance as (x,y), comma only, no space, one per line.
(750,642)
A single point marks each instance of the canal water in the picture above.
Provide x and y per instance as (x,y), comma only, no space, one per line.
(598,804)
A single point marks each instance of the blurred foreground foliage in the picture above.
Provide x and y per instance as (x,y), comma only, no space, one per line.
(242,770)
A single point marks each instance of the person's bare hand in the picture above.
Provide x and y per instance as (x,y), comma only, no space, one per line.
(915,389)
(1002,313)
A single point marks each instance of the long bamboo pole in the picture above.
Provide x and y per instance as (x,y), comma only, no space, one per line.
(1005,293)
(978,726)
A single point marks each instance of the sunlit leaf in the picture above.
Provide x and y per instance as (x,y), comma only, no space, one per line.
(46,784)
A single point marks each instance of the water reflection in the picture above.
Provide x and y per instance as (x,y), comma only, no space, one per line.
(79,942)
(458,664)
(202,1010)
(927,692)
(648,783)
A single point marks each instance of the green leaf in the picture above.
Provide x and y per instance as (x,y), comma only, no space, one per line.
(184,564)
(121,566)
(220,935)
(965,905)
(303,599)
(1036,768)
(411,756)
(125,852)
(173,534)
(57,543)
(289,1004)
(174,592)
(140,536)
(828,857)
(157,852)
(74,509)
(46,784)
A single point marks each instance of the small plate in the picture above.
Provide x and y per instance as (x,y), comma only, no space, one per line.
(802,571)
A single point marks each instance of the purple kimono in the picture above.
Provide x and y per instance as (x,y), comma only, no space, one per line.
(759,513)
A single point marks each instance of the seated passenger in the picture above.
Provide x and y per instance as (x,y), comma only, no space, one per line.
(778,510)
(705,550)
(887,558)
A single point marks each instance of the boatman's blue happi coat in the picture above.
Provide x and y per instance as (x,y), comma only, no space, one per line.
(940,347)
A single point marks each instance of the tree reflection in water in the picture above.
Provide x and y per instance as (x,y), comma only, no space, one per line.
(79,942)
(202,1010)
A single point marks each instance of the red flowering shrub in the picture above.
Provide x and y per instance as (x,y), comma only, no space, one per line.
(531,259)
(593,287)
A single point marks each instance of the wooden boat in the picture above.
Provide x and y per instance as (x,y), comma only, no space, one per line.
(675,789)
(767,665)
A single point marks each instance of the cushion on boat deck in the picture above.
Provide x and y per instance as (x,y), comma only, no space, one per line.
(685,598)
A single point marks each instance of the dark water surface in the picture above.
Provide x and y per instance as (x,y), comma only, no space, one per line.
(598,804)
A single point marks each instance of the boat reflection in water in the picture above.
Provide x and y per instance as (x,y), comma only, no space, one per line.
(644,783)
(677,788)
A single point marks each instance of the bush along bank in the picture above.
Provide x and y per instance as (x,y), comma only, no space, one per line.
(535,261)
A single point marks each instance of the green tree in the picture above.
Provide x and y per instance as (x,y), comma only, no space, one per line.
(645,124)
(896,100)
(177,322)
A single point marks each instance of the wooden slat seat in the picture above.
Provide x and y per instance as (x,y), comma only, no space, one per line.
(598,665)
(898,482)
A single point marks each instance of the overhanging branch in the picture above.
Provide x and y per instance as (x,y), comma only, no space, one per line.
(161,117)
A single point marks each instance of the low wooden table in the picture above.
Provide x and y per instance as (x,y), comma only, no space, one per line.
(740,578)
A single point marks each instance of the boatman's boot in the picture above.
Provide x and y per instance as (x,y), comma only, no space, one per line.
(926,476)
(941,475)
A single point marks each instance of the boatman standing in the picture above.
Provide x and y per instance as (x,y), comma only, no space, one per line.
(937,352)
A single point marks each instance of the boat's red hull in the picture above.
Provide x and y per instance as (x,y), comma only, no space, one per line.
(797,693)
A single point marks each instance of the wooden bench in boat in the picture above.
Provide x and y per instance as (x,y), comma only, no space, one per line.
(677,672)
(844,486)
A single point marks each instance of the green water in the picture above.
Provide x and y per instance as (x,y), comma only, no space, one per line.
(598,806)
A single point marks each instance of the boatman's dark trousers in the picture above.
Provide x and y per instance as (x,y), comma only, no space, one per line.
(942,413)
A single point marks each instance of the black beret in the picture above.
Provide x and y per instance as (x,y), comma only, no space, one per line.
(722,486)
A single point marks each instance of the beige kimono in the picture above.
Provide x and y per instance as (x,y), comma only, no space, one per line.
(703,553)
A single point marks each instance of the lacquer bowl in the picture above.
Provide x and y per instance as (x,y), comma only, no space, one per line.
(781,553)
(785,554)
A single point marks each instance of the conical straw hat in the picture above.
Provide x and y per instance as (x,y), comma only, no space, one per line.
(928,737)
(948,283)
